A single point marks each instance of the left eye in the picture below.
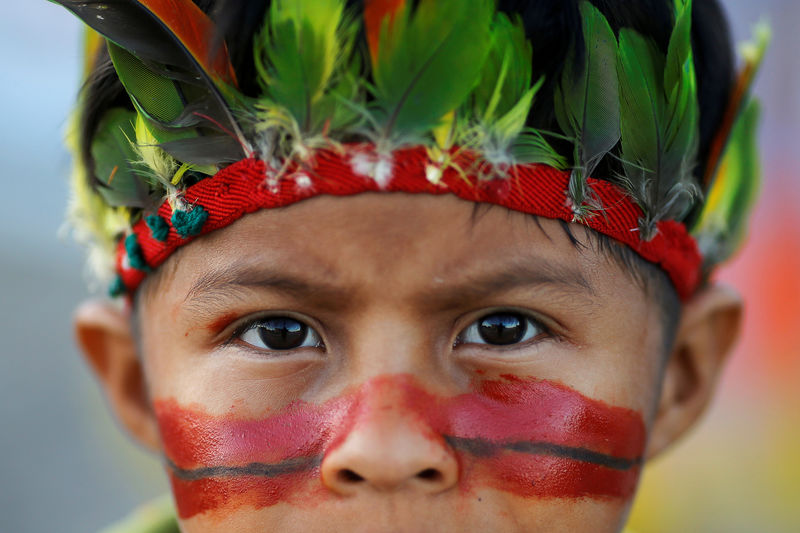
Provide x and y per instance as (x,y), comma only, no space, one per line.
(501,329)
(280,334)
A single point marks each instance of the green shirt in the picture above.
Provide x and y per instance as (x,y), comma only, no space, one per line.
(157,516)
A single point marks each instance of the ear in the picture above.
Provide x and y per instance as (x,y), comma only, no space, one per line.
(706,334)
(105,337)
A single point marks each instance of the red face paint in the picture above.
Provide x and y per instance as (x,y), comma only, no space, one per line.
(532,438)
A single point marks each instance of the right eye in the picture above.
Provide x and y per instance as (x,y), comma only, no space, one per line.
(502,329)
(280,333)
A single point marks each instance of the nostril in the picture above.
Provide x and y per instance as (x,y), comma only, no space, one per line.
(348,476)
(430,474)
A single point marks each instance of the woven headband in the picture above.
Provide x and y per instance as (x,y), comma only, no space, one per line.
(437,101)
(534,189)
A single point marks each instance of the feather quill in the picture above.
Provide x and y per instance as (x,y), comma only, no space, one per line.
(658,121)
(753,53)
(587,106)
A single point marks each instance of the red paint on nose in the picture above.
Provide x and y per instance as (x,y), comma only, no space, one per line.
(532,438)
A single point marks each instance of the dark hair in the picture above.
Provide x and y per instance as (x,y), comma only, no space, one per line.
(552,27)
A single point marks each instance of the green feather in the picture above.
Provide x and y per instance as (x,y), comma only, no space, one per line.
(161,101)
(428,62)
(502,100)
(157,97)
(723,221)
(303,58)
(507,71)
(680,83)
(532,147)
(658,121)
(115,161)
(587,105)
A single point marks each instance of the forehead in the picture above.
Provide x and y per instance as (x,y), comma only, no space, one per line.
(360,243)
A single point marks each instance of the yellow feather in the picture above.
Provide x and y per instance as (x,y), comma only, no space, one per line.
(156,159)
(92,41)
(92,221)
(443,133)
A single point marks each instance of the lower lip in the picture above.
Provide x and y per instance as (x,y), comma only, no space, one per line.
(492,431)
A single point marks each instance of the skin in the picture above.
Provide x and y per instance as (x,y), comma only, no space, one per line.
(391,282)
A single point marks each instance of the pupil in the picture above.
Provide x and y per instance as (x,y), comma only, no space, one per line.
(502,329)
(282,333)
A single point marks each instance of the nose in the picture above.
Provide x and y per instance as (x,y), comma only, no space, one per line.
(390,449)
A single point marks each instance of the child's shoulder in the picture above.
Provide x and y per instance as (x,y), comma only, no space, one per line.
(157,516)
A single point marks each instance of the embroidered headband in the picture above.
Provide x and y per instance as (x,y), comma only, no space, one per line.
(436,102)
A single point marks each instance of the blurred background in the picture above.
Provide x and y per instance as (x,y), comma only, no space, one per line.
(65,466)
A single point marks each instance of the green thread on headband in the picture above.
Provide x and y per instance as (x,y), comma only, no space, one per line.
(135,254)
(117,288)
(189,223)
(158,227)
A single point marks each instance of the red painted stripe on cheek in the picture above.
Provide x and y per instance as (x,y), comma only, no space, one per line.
(192,438)
(517,412)
(538,476)
(543,411)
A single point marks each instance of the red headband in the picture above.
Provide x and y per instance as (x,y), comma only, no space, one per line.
(534,189)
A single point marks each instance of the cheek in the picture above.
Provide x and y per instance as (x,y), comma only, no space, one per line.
(529,438)
(536,438)
(227,462)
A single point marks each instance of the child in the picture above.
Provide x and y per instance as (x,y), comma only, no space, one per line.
(499,344)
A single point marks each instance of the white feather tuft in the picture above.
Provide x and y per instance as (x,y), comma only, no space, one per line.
(303,182)
(434,173)
(378,166)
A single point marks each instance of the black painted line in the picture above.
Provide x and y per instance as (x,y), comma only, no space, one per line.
(290,466)
(476,447)
(485,448)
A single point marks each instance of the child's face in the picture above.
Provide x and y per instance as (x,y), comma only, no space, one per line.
(443,370)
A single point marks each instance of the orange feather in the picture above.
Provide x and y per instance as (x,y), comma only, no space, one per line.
(375,12)
(197,32)
(734,107)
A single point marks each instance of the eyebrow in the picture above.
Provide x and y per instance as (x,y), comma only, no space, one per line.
(234,282)
(561,279)
(229,281)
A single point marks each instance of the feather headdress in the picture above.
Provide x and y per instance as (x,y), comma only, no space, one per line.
(435,99)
